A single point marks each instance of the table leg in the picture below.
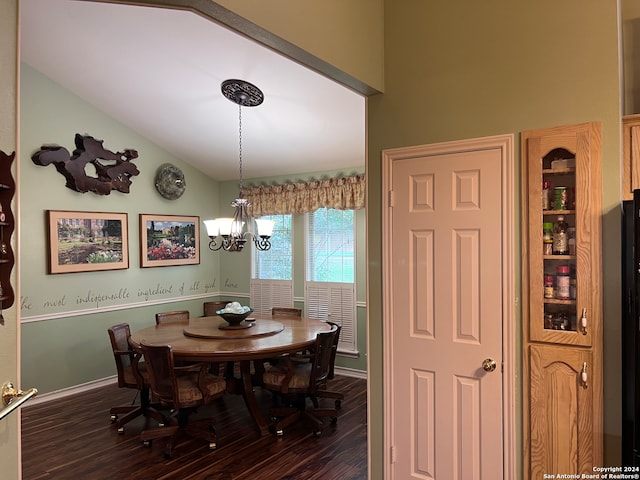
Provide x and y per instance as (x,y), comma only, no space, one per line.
(250,398)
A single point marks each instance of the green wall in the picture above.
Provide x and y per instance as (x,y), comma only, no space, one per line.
(347,35)
(461,69)
(65,317)
(9,133)
(60,328)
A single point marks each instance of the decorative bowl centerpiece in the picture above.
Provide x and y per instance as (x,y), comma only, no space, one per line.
(234,313)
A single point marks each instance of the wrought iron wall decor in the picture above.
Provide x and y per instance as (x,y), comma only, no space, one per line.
(7,190)
(113,170)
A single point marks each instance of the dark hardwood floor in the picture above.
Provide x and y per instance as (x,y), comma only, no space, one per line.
(72,438)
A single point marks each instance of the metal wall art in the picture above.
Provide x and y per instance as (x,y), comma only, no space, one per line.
(7,190)
(113,171)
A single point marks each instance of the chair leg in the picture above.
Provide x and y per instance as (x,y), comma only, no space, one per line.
(337,396)
(149,409)
(202,429)
(285,417)
(316,415)
(130,412)
(169,432)
(133,411)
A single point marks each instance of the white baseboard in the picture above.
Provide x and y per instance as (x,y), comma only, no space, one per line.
(66,392)
(350,372)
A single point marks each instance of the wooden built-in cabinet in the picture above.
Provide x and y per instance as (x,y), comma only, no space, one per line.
(562,334)
(630,155)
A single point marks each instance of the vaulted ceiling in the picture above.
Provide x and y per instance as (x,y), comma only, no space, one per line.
(158,71)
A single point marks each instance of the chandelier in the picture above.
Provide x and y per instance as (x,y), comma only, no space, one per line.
(231,234)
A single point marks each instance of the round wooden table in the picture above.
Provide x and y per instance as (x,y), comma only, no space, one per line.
(201,340)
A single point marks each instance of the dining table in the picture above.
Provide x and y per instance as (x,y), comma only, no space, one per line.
(212,340)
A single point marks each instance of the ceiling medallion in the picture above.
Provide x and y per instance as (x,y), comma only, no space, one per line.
(243,93)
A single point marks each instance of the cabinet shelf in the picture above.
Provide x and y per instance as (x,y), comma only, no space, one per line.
(559,301)
(558,171)
(559,257)
(558,212)
(562,338)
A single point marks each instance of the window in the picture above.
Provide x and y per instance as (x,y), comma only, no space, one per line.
(276,263)
(330,246)
(330,266)
(329,289)
(271,283)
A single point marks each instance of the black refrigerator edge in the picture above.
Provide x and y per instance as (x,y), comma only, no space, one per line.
(630,329)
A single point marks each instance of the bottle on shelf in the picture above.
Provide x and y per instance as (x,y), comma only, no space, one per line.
(548,320)
(571,239)
(560,237)
(573,283)
(546,201)
(560,198)
(549,292)
(547,238)
(563,282)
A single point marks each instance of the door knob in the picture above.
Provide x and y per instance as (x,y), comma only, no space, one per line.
(12,398)
(489,364)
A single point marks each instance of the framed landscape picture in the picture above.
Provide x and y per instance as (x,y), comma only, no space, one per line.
(167,240)
(87,241)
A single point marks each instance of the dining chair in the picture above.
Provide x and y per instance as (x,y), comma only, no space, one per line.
(293,382)
(210,308)
(132,373)
(322,391)
(182,389)
(286,311)
(262,365)
(176,316)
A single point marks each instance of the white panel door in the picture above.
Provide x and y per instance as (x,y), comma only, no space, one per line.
(446,313)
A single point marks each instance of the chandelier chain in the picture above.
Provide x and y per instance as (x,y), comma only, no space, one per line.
(242,228)
(240,146)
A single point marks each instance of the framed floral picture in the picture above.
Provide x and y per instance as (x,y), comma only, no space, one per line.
(87,241)
(167,240)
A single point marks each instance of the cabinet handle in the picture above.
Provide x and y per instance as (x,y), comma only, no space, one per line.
(583,322)
(583,375)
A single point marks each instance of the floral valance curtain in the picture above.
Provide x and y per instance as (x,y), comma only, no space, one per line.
(343,193)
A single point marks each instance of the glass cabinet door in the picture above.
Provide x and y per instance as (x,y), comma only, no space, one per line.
(559,241)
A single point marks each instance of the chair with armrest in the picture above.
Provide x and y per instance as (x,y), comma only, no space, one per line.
(176,316)
(322,391)
(279,312)
(293,382)
(286,311)
(182,389)
(131,374)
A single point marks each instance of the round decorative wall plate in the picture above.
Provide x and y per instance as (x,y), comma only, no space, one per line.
(170,181)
